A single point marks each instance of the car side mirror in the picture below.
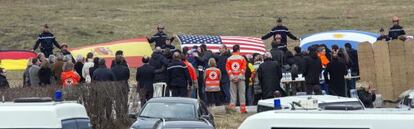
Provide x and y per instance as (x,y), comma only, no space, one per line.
(132,115)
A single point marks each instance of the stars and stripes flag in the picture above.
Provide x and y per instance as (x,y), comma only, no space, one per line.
(248,45)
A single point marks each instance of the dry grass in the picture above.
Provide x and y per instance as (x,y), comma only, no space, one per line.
(229,121)
(81,22)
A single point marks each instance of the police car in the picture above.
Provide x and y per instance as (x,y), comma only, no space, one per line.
(43,113)
(324,102)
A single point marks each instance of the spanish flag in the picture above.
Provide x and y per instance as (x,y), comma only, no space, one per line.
(134,50)
(15,59)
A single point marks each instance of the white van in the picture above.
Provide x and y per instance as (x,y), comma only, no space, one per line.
(43,113)
(329,119)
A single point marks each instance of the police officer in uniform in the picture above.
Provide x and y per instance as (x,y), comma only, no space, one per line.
(283,31)
(160,38)
(396,30)
(46,40)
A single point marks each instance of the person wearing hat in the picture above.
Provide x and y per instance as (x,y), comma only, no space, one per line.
(283,31)
(383,36)
(160,38)
(45,42)
(396,30)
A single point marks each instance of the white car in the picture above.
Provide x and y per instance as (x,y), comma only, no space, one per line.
(43,113)
(329,119)
(325,102)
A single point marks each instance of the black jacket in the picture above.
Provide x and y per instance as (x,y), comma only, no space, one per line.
(278,56)
(353,56)
(383,37)
(3,82)
(159,38)
(78,69)
(145,76)
(46,40)
(221,64)
(103,74)
(300,62)
(269,75)
(45,75)
(337,70)
(124,63)
(283,31)
(160,63)
(178,75)
(121,72)
(312,70)
(366,98)
(395,31)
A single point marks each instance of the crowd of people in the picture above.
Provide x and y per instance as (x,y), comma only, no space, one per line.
(223,78)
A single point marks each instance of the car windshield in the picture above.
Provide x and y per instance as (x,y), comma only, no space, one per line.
(169,110)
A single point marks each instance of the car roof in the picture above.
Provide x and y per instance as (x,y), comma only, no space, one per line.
(39,114)
(174,100)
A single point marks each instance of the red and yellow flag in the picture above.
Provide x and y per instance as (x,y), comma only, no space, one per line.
(134,50)
(15,59)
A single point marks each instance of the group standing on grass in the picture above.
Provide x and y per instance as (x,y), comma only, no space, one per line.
(223,78)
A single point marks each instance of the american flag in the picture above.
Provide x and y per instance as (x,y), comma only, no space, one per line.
(248,45)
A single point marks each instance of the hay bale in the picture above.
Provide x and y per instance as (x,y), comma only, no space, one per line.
(409,64)
(366,61)
(398,67)
(382,70)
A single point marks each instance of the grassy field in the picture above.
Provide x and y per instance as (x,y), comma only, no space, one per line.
(82,22)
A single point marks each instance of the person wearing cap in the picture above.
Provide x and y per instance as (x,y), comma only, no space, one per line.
(45,41)
(160,37)
(396,30)
(283,31)
(383,36)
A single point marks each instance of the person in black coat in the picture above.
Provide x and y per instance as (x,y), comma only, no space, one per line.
(160,63)
(278,55)
(102,73)
(312,71)
(160,37)
(283,31)
(224,80)
(269,75)
(46,40)
(299,59)
(45,73)
(120,71)
(178,77)
(337,71)
(79,66)
(383,36)
(121,54)
(367,95)
(3,80)
(396,30)
(145,78)
(92,69)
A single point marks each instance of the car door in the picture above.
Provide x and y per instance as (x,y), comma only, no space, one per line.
(204,112)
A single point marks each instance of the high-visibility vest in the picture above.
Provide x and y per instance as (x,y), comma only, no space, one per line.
(212,79)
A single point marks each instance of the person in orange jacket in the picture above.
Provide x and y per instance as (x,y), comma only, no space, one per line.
(69,77)
(212,76)
(236,68)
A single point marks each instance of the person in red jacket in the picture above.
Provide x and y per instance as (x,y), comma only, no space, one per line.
(236,67)
(69,77)
(212,76)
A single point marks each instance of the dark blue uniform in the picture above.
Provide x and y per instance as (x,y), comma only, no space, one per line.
(159,38)
(46,40)
(396,31)
(283,31)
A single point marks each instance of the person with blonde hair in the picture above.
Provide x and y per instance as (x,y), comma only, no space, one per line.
(69,77)
(212,76)
(366,93)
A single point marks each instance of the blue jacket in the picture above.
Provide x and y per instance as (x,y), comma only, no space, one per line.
(178,75)
(46,40)
(283,31)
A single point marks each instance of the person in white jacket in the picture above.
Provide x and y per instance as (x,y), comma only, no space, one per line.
(88,64)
